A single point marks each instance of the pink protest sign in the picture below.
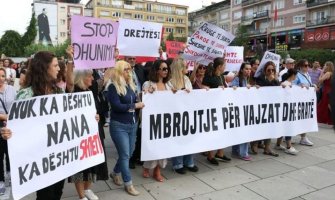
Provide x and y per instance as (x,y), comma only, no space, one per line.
(94,42)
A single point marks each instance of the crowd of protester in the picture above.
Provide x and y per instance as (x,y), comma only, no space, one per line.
(117,93)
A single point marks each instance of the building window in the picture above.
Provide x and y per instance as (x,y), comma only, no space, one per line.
(104,13)
(164,9)
(62,21)
(224,15)
(62,34)
(180,11)
(75,10)
(104,2)
(297,2)
(180,21)
(149,7)
(279,22)
(117,3)
(237,15)
(138,16)
(279,4)
(160,19)
(299,19)
(151,18)
(127,15)
(180,31)
(169,30)
(237,2)
(116,14)
(62,9)
(170,19)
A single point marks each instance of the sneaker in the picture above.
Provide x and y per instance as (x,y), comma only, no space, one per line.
(280,147)
(246,158)
(181,170)
(306,141)
(106,124)
(90,195)
(223,158)
(192,169)
(84,198)
(2,188)
(213,161)
(116,179)
(291,151)
(131,190)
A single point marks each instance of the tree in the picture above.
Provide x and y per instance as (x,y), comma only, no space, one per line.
(59,50)
(170,37)
(30,35)
(241,38)
(10,44)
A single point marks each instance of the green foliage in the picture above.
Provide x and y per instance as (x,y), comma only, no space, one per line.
(59,50)
(170,37)
(163,45)
(321,55)
(10,44)
(181,39)
(30,35)
(241,38)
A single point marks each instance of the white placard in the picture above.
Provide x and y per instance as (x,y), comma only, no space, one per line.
(268,56)
(207,43)
(203,120)
(233,58)
(139,38)
(54,137)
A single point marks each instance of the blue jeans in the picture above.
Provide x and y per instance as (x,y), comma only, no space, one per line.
(241,150)
(124,137)
(181,161)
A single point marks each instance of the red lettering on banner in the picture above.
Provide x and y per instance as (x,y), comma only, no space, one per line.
(91,146)
(200,37)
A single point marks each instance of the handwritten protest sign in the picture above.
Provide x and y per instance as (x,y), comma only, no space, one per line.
(268,56)
(207,43)
(60,135)
(190,65)
(139,38)
(207,120)
(94,42)
(233,58)
(173,48)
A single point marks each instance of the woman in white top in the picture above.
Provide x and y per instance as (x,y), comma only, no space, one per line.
(158,78)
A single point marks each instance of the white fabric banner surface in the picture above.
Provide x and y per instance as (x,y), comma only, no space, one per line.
(233,58)
(54,137)
(268,56)
(139,38)
(207,43)
(203,120)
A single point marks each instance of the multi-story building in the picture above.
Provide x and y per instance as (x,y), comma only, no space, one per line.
(173,17)
(55,16)
(320,24)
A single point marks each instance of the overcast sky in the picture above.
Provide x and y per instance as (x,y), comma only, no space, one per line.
(16,14)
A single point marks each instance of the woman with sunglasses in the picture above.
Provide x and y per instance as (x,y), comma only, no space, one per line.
(159,76)
(242,80)
(268,78)
(197,77)
(123,122)
(303,79)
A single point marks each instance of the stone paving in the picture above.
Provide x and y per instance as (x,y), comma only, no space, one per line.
(307,176)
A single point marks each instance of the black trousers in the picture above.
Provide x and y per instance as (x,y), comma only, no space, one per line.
(3,152)
(52,192)
(137,152)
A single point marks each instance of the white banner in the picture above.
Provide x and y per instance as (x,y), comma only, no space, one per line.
(268,56)
(207,43)
(233,58)
(203,120)
(139,38)
(54,137)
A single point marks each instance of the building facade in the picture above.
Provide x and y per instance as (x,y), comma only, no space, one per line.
(298,23)
(173,17)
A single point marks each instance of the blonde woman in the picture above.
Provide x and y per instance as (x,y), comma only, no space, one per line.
(179,81)
(323,109)
(123,122)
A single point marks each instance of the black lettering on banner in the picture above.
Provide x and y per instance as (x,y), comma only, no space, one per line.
(292,111)
(285,112)
(277,106)
(101,30)
(137,33)
(185,123)
(225,117)
(214,119)
(246,115)
(270,114)
(102,52)
(264,108)
(193,128)
(22,109)
(166,125)
(207,126)
(200,113)
(155,127)
(176,124)
(22,177)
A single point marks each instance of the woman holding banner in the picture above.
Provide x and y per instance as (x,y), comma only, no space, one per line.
(123,122)
(268,78)
(216,79)
(159,76)
(242,80)
(7,97)
(179,81)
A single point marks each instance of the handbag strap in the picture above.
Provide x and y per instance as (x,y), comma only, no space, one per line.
(310,84)
(3,105)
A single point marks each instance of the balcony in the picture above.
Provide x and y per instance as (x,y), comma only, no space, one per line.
(318,3)
(247,20)
(246,3)
(261,14)
(320,22)
(262,31)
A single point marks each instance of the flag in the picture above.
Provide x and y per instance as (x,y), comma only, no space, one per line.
(276,14)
